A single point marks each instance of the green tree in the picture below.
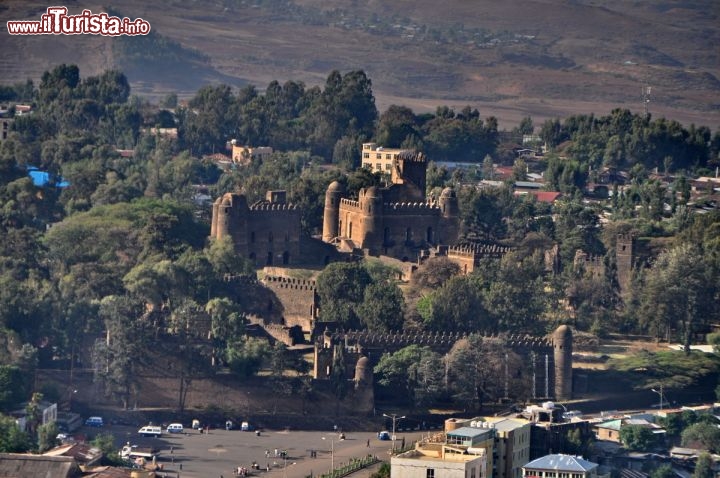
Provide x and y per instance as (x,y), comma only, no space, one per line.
(663,471)
(677,294)
(383,307)
(46,436)
(637,437)
(12,439)
(341,290)
(704,467)
(416,370)
(703,435)
(245,356)
(338,377)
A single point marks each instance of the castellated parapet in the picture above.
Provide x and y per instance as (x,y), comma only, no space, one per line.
(546,361)
(468,256)
(266,232)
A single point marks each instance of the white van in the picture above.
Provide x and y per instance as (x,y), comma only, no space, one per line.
(94,422)
(175,428)
(150,431)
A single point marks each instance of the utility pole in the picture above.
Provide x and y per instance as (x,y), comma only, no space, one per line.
(394,418)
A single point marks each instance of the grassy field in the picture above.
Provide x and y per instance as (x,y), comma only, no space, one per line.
(543,58)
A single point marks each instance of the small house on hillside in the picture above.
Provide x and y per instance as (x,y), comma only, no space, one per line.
(561,466)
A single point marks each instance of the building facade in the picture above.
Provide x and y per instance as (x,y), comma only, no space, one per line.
(465,452)
(379,159)
(267,233)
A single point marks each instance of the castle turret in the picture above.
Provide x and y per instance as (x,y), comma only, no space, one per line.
(230,219)
(450,210)
(371,205)
(562,348)
(331,219)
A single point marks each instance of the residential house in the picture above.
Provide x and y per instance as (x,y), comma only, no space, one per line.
(560,466)
(21,465)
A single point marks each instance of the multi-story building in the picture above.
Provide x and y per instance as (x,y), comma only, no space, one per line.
(465,452)
(379,159)
(511,445)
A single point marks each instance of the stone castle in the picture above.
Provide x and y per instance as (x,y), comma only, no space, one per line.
(396,221)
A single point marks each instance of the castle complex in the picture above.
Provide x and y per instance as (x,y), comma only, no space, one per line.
(396,221)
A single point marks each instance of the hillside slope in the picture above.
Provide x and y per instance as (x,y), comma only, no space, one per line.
(542,58)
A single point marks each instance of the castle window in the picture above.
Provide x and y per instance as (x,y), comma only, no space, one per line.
(430,473)
(350,230)
(429,237)
(252,237)
(623,247)
(408,235)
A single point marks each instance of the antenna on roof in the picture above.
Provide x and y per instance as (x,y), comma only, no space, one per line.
(646,98)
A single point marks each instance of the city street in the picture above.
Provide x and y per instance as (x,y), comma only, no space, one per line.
(220,452)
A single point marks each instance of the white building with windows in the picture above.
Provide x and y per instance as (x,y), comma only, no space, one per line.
(377,158)
(462,453)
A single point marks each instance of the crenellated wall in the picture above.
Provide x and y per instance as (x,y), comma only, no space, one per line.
(544,358)
(298,298)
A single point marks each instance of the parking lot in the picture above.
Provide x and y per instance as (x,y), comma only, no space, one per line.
(220,452)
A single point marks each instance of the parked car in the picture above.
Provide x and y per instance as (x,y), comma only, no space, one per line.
(175,428)
(151,431)
(94,422)
(245,426)
(384,435)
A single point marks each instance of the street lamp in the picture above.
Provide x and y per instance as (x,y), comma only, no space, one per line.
(659,393)
(394,419)
(332,454)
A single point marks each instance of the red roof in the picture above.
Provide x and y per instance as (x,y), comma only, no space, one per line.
(542,196)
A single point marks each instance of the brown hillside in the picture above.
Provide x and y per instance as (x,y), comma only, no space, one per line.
(543,58)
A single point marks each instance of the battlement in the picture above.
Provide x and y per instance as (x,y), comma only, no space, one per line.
(438,339)
(290,283)
(412,208)
(412,156)
(265,206)
(479,250)
(350,203)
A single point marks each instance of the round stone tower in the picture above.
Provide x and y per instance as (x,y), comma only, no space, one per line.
(331,217)
(371,205)
(562,348)
(450,230)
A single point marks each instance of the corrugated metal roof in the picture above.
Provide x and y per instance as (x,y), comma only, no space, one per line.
(561,463)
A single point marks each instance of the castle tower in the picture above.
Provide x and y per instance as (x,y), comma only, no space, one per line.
(230,219)
(562,351)
(624,262)
(450,230)
(331,218)
(371,205)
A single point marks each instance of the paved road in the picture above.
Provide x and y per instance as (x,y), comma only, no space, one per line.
(220,452)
